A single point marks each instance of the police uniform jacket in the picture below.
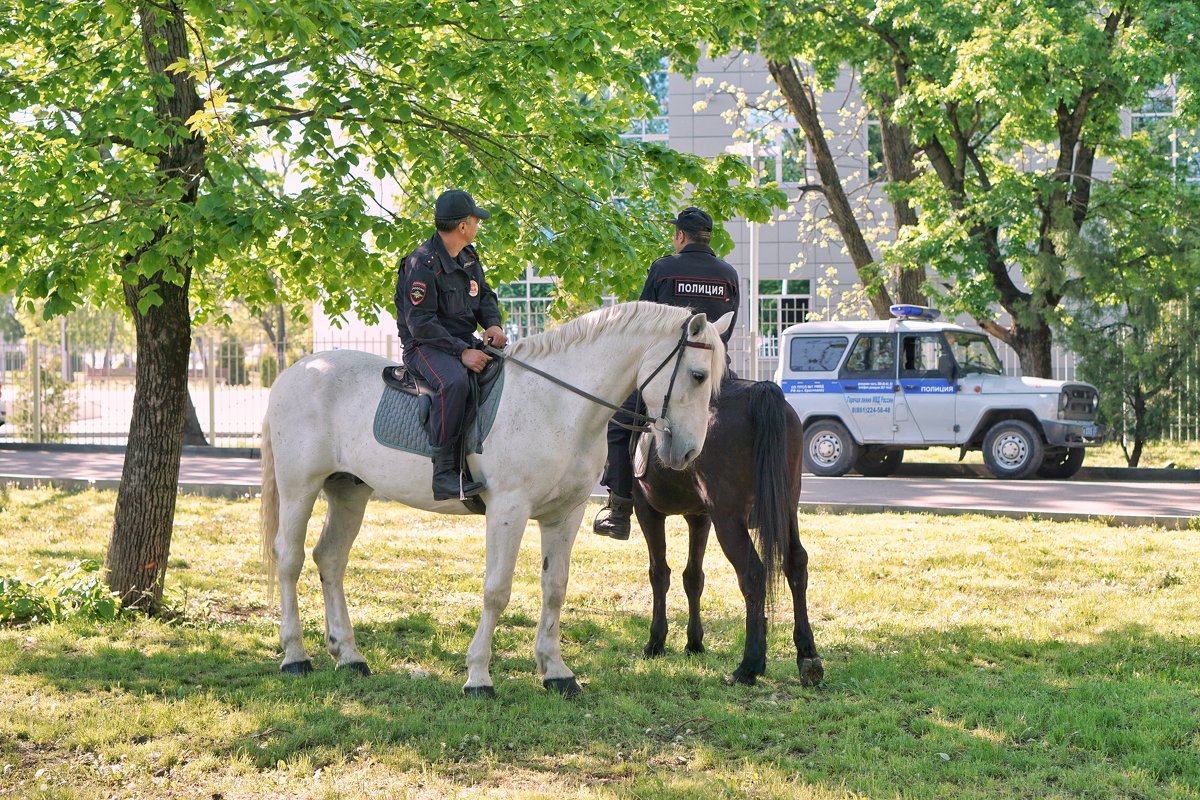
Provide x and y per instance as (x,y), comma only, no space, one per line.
(695,278)
(440,300)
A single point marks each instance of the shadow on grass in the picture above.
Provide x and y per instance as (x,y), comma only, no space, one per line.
(961,711)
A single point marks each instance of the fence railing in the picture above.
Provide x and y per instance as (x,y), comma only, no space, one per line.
(86,394)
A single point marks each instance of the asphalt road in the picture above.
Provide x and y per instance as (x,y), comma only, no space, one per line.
(1173,504)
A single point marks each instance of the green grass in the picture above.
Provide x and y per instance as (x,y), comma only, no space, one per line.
(1158,454)
(965,657)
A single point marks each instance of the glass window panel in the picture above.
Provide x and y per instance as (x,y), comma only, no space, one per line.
(816,353)
(873,356)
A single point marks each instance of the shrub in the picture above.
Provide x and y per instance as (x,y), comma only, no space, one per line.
(232,359)
(75,593)
(58,405)
(268,369)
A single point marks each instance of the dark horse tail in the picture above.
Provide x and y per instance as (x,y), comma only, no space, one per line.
(773,513)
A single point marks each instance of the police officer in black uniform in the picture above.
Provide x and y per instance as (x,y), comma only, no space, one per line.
(442,297)
(693,278)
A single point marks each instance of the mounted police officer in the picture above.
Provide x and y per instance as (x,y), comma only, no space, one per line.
(693,278)
(442,297)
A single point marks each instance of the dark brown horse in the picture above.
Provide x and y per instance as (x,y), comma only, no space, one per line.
(747,476)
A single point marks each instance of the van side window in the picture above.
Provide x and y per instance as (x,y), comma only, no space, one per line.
(873,356)
(925,356)
(816,353)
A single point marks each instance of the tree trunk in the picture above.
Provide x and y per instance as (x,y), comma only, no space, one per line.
(112,338)
(281,339)
(795,93)
(136,562)
(898,159)
(1032,346)
(193,432)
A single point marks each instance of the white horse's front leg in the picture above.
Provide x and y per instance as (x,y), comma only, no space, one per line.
(505,527)
(558,538)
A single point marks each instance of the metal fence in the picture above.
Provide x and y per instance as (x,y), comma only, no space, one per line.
(83,393)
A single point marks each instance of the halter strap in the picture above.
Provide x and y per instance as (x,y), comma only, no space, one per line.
(642,422)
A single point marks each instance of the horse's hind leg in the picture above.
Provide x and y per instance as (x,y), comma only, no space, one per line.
(347,501)
(558,538)
(699,526)
(505,527)
(807,660)
(734,537)
(653,525)
(295,509)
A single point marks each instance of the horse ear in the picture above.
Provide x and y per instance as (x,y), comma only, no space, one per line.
(696,324)
(724,322)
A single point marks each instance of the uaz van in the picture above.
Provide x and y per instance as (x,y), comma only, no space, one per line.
(868,391)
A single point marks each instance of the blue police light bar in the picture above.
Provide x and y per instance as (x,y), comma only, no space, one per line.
(905,311)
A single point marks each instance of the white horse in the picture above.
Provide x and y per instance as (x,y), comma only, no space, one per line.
(540,461)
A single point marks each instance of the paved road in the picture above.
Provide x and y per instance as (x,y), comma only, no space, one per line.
(1128,502)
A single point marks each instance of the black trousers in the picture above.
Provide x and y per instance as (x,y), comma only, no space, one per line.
(448,377)
(618,472)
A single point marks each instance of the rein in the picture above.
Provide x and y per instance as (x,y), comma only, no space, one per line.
(642,422)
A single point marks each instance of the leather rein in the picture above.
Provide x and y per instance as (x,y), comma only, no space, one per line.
(642,422)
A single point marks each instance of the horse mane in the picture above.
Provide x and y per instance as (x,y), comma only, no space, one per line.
(636,317)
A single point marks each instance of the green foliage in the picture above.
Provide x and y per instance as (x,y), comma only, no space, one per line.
(268,369)
(1133,316)
(58,402)
(327,130)
(231,357)
(75,592)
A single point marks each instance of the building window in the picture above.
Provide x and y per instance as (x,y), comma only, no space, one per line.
(875,168)
(658,126)
(526,304)
(1158,121)
(781,304)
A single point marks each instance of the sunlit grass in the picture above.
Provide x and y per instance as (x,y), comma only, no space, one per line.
(965,657)
(1157,454)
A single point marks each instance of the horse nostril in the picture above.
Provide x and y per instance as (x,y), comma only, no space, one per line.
(689,456)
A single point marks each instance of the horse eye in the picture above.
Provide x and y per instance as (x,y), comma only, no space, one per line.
(699,376)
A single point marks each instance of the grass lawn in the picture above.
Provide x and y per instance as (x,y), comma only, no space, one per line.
(965,657)
(1158,454)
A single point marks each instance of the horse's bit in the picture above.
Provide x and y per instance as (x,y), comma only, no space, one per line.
(642,422)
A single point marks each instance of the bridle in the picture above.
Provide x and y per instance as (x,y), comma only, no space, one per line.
(642,423)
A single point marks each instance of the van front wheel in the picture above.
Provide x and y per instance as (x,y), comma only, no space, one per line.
(829,450)
(1012,449)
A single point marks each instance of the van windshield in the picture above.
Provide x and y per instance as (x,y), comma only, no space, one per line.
(974,353)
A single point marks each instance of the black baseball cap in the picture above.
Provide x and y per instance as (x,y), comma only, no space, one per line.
(456,204)
(693,220)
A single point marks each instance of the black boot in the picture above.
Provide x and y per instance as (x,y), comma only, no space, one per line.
(448,481)
(616,525)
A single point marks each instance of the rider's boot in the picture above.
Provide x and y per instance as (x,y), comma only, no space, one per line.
(448,480)
(616,524)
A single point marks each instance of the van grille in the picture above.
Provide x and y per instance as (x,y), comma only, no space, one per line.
(1081,402)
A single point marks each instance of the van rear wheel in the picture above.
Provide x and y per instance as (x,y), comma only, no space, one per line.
(876,461)
(1012,449)
(829,449)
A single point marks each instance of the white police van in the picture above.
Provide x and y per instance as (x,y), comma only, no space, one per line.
(868,391)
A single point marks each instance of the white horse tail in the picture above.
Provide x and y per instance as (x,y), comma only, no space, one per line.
(270,510)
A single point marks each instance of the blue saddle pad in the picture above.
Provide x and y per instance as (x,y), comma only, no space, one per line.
(398,424)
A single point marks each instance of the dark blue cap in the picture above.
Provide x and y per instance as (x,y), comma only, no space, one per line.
(693,220)
(456,204)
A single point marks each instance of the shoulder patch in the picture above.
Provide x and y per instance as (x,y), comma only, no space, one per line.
(416,292)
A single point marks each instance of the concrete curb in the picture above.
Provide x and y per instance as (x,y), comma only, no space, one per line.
(1112,520)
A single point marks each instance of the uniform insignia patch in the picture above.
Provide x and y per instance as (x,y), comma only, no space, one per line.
(416,292)
(691,287)
(474,290)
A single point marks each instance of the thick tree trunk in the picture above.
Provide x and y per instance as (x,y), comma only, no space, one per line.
(136,561)
(193,433)
(898,159)
(804,109)
(1032,345)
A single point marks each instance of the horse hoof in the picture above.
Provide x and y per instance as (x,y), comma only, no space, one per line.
(479,691)
(742,678)
(694,649)
(567,687)
(653,649)
(297,667)
(357,666)
(811,671)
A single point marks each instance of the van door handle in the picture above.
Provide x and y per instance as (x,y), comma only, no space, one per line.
(910,386)
(849,385)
